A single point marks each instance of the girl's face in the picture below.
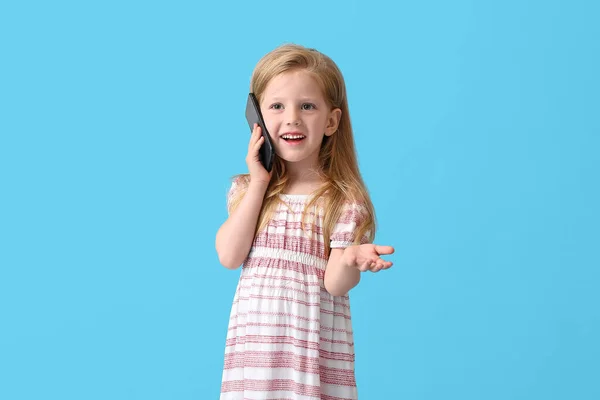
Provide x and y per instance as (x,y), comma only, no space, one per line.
(297,117)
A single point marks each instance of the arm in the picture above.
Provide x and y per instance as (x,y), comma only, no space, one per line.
(235,236)
(340,277)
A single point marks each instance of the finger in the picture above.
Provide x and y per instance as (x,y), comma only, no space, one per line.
(258,143)
(255,144)
(380,265)
(255,132)
(365,266)
(253,139)
(384,249)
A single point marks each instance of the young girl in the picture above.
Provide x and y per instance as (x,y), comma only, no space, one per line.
(302,233)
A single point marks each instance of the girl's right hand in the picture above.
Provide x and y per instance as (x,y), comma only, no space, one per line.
(258,173)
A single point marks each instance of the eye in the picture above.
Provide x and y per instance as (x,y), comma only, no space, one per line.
(276,106)
(308,106)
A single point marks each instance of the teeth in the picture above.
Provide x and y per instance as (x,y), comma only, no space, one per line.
(293,136)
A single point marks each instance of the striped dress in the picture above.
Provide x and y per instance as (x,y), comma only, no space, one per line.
(288,338)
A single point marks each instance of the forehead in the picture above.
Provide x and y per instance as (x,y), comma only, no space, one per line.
(293,84)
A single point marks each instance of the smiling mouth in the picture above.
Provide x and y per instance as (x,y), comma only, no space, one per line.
(293,138)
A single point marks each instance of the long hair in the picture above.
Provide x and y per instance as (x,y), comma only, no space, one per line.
(338,164)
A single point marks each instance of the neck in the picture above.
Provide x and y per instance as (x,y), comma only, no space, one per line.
(301,174)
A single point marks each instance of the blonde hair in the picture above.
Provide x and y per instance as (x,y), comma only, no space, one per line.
(338,164)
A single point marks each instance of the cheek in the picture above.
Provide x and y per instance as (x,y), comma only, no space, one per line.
(272,125)
(319,125)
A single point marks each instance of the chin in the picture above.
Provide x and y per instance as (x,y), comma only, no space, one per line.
(291,159)
(295,157)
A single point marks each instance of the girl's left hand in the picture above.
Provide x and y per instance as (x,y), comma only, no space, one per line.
(366,257)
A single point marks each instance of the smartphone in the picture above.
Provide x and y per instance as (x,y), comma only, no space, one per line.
(266,153)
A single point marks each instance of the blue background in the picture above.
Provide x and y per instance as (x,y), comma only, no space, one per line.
(478,135)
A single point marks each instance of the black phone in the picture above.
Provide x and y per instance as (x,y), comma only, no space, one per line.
(266,153)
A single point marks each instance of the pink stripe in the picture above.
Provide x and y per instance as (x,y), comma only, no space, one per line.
(327,355)
(325,328)
(346,307)
(323,339)
(280,289)
(298,267)
(334,356)
(287,326)
(295,212)
(336,314)
(337,376)
(271,398)
(326,397)
(353,214)
(299,317)
(271,385)
(282,241)
(296,226)
(279,298)
(327,300)
(275,359)
(282,314)
(279,277)
(266,339)
(310,321)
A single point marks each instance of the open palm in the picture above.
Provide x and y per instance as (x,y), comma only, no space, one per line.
(367,257)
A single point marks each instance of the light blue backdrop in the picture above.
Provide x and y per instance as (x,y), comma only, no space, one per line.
(477,126)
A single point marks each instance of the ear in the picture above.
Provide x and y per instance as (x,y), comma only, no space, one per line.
(333,121)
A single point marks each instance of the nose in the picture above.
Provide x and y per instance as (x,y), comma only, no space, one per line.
(293,117)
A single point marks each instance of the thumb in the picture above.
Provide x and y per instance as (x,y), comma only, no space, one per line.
(384,249)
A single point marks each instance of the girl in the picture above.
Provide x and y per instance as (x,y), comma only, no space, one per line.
(303,234)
